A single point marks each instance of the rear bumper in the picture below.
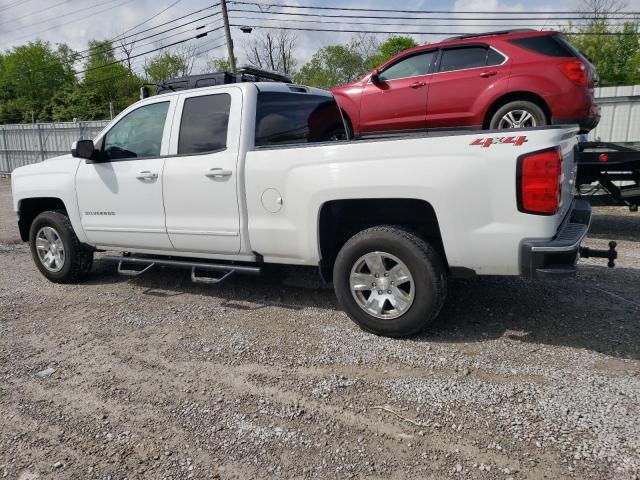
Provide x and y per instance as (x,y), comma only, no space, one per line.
(558,256)
(586,123)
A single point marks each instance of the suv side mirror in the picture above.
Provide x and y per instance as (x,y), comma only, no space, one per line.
(375,76)
(83,149)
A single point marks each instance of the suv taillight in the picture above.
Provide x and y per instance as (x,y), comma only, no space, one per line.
(539,182)
(576,71)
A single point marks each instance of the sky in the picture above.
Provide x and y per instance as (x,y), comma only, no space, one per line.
(75,22)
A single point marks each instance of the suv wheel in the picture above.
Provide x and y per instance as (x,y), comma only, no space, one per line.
(518,114)
(390,281)
(56,250)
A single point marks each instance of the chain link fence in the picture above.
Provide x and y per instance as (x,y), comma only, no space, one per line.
(22,144)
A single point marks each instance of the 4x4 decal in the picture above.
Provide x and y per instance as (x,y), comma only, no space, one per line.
(486,142)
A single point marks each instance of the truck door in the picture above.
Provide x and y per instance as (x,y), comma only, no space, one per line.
(201,173)
(120,195)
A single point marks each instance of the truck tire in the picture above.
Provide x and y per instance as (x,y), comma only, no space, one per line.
(56,250)
(518,114)
(390,281)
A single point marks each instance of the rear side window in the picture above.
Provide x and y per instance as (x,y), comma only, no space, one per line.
(548,45)
(462,58)
(288,118)
(412,66)
(204,124)
(494,58)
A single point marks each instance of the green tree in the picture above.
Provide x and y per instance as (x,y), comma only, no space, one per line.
(331,66)
(105,80)
(164,66)
(30,75)
(390,48)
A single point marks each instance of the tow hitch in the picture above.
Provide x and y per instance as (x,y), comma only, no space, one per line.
(611,254)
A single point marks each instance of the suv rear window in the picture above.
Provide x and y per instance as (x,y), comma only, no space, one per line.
(287,118)
(549,45)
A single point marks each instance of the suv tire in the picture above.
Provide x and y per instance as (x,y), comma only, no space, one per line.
(521,113)
(390,281)
(56,250)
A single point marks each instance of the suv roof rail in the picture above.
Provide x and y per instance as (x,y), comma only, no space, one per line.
(486,34)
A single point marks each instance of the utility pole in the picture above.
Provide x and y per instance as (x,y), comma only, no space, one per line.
(227,34)
(111,110)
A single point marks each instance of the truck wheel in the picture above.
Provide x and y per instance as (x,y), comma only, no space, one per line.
(390,281)
(56,249)
(518,114)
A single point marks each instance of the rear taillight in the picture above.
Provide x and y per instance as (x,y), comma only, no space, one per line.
(576,71)
(539,182)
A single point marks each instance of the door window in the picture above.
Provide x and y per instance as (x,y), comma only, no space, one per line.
(494,58)
(138,134)
(204,124)
(412,66)
(463,58)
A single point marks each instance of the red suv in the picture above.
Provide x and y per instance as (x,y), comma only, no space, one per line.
(497,80)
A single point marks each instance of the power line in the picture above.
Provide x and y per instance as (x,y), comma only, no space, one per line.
(378,17)
(34,13)
(74,20)
(200,35)
(385,10)
(395,32)
(81,57)
(147,20)
(165,23)
(502,25)
(60,16)
(12,4)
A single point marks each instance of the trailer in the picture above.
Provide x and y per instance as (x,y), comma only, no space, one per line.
(608,174)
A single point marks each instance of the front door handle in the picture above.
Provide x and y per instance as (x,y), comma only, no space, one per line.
(417,84)
(488,74)
(218,173)
(147,175)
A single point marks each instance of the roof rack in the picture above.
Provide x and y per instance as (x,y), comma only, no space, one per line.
(486,34)
(246,73)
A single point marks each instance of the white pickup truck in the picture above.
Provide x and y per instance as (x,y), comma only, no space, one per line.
(229,178)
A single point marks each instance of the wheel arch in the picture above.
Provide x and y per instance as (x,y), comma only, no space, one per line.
(514,96)
(339,220)
(30,208)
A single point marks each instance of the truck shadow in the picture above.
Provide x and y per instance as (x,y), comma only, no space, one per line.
(585,312)
(598,311)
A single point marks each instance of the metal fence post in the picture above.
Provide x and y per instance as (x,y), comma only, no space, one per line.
(40,142)
(6,151)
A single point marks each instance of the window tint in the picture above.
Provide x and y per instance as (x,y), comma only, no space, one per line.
(204,124)
(409,67)
(138,134)
(548,45)
(285,118)
(494,58)
(461,58)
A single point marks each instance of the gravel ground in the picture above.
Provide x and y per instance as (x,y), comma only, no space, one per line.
(156,377)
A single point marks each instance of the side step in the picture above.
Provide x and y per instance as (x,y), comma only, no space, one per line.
(150,262)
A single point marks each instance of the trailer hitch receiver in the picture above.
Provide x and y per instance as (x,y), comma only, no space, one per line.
(611,254)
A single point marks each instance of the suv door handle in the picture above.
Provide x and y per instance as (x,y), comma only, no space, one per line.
(417,84)
(488,74)
(218,173)
(147,175)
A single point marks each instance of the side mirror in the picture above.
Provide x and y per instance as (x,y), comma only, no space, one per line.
(83,149)
(375,76)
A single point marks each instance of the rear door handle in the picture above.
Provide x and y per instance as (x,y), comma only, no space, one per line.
(218,173)
(147,175)
(417,84)
(488,74)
